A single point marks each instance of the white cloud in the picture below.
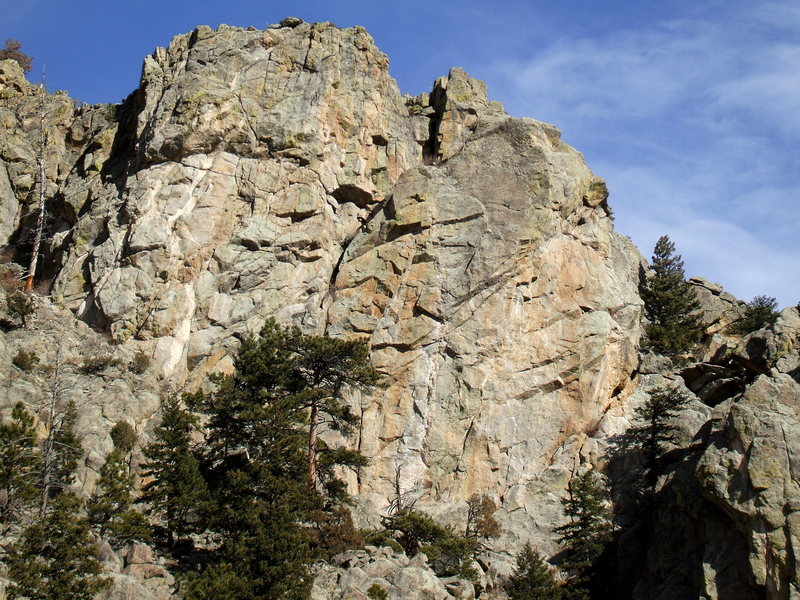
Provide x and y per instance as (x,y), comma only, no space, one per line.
(695,124)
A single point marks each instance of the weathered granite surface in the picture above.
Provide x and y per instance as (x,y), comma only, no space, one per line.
(280,173)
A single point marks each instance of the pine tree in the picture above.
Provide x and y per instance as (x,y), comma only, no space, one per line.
(176,491)
(670,304)
(533,578)
(656,430)
(760,312)
(110,509)
(586,534)
(261,457)
(19,465)
(55,558)
(326,367)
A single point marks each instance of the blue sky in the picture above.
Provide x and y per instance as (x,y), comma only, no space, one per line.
(689,110)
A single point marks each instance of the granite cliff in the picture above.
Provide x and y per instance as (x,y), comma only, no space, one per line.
(281,173)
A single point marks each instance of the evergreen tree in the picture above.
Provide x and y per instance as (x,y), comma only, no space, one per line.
(110,509)
(56,558)
(670,304)
(19,464)
(533,578)
(176,491)
(325,367)
(759,313)
(586,534)
(124,437)
(254,466)
(261,455)
(448,553)
(656,430)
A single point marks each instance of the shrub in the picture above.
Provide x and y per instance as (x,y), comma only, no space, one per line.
(140,363)
(93,365)
(12,51)
(381,537)
(19,307)
(480,517)
(25,361)
(376,592)
(759,313)
(332,532)
(123,436)
(448,553)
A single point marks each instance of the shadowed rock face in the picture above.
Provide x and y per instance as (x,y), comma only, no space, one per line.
(280,173)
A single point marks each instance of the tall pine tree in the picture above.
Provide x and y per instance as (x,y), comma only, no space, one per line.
(586,535)
(55,557)
(655,429)
(670,304)
(533,578)
(110,509)
(19,465)
(326,367)
(175,491)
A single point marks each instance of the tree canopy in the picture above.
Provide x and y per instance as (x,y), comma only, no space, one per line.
(12,51)
(670,304)
(586,534)
(760,312)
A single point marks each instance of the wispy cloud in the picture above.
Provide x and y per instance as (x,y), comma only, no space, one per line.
(695,123)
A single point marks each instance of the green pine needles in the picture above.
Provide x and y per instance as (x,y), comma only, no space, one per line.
(760,312)
(655,429)
(533,578)
(255,482)
(586,534)
(55,557)
(670,304)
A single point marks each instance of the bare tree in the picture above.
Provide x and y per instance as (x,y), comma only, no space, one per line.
(40,159)
(402,500)
(60,448)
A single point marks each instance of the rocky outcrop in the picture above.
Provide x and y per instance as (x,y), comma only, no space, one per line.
(725,524)
(280,173)
(351,575)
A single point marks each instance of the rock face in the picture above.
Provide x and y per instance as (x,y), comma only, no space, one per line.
(353,573)
(280,173)
(725,517)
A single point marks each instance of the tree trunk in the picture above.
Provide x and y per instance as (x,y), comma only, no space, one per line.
(312,447)
(48,448)
(37,239)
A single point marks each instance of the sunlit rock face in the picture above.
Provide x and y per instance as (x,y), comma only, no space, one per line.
(281,173)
